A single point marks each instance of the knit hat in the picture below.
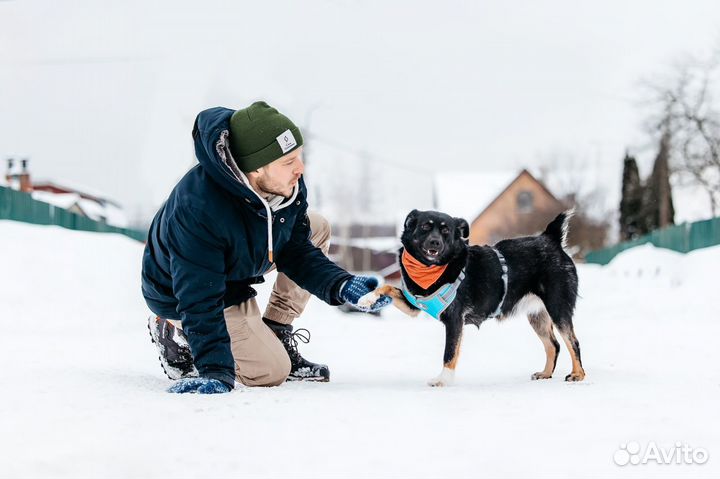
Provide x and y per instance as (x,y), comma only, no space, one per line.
(259,135)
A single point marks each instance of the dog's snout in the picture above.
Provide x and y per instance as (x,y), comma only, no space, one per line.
(434,243)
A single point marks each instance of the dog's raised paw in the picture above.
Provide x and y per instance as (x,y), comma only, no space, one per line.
(540,375)
(368,300)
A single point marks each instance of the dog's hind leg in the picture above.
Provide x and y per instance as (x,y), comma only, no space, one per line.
(560,304)
(568,334)
(542,324)
(453,338)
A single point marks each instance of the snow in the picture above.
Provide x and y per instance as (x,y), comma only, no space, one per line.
(107,212)
(61,200)
(83,394)
(466,194)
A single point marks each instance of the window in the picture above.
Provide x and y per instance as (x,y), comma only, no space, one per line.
(525,202)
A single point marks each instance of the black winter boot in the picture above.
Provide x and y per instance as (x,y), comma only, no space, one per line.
(173,349)
(301,369)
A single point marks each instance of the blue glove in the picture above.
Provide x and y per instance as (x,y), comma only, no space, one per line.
(199,386)
(357,287)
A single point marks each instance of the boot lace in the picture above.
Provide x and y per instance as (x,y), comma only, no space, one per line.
(291,341)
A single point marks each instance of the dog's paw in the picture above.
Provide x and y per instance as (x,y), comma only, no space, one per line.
(437,382)
(445,379)
(540,375)
(575,377)
(368,300)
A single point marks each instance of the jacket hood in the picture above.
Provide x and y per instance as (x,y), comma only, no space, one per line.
(210,135)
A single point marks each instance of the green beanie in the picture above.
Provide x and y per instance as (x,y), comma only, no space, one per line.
(259,135)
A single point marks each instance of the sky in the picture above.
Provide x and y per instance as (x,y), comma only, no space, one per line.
(104,94)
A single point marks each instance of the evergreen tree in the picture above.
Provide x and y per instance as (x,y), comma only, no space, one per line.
(658,205)
(632,224)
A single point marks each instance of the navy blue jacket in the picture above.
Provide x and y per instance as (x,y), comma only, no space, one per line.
(208,244)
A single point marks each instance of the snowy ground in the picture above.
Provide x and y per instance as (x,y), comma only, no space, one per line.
(84,396)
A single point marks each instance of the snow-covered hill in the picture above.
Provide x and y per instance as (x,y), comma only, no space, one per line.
(83,395)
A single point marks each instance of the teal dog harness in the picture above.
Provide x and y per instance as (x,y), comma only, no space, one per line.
(436,303)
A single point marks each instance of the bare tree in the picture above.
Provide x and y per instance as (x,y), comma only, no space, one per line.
(683,110)
(567,178)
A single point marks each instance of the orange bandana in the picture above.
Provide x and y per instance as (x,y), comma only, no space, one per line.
(423,275)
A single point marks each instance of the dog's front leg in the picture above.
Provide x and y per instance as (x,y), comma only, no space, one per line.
(399,300)
(453,337)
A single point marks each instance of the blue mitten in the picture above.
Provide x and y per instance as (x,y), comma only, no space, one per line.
(357,287)
(199,386)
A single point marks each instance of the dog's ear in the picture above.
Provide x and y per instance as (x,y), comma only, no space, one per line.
(463,229)
(411,219)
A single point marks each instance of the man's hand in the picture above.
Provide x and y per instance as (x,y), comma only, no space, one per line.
(357,287)
(199,386)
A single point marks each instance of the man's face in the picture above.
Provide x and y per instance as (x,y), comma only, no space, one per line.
(280,176)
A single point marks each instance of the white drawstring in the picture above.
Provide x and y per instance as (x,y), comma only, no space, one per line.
(268,211)
(240,176)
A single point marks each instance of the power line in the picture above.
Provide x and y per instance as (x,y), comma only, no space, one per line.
(371,157)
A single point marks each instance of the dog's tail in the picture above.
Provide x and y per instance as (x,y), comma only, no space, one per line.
(558,229)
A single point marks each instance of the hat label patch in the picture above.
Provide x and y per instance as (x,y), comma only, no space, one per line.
(287,141)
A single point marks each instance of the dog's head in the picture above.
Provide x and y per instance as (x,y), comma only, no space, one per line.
(434,238)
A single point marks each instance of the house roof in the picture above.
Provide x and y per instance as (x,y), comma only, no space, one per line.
(108,212)
(61,200)
(70,187)
(466,194)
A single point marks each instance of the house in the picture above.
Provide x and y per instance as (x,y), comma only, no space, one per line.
(79,201)
(75,199)
(497,205)
(365,248)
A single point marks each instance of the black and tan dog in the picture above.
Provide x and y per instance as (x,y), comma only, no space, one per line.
(463,284)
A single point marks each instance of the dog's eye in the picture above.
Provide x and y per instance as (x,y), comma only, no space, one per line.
(445,230)
(426,227)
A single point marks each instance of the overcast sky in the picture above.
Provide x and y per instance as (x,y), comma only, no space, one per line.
(104,94)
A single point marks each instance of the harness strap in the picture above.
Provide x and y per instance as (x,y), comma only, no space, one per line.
(503,266)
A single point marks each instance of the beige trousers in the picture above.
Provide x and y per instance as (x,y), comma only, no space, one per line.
(260,357)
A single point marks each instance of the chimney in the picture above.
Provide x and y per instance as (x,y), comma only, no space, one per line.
(25,183)
(9,172)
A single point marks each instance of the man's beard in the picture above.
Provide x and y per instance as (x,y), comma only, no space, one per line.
(272,188)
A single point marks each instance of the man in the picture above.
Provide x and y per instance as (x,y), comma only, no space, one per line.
(239,213)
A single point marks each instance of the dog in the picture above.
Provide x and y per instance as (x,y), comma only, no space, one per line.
(462,284)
